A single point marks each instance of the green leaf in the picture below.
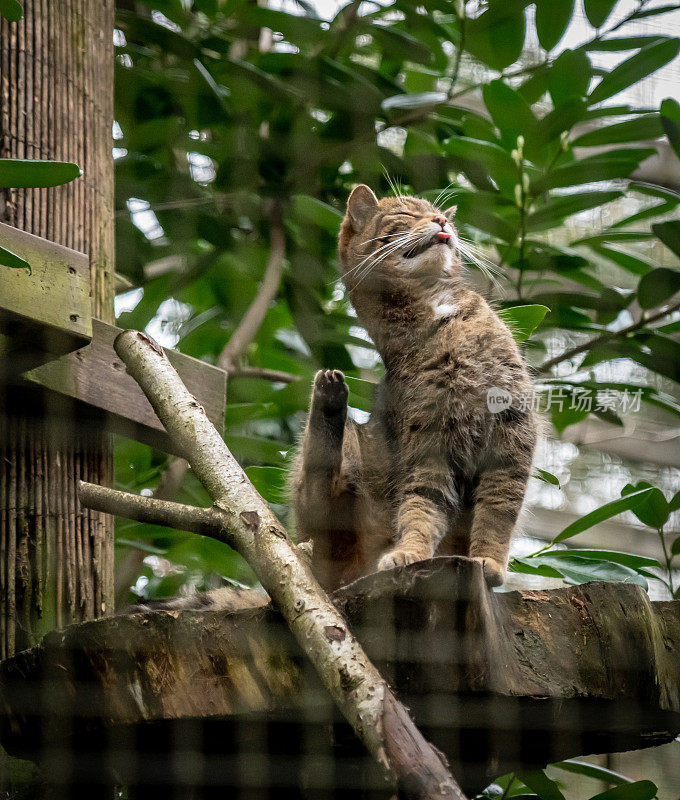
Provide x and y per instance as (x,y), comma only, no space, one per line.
(591,771)
(628,261)
(523,320)
(552,21)
(510,112)
(270,482)
(621,43)
(651,189)
(598,11)
(574,569)
(660,353)
(11,10)
(544,786)
(640,790)
(398,44)
(546,477)
(658,286)
(561,206)
(569,76)
(317,212)
(587,170)
(607,511)
(18,173)
(360,393)
(496,37)
(675,547)
(636,68)
(614,556)
(408,102)
(10,259)
(669,233)
(656,11)
(653,510)
(495,160)
(614,236)
(642,128)
(670,119)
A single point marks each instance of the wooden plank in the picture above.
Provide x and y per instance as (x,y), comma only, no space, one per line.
(46,312)
(96,376)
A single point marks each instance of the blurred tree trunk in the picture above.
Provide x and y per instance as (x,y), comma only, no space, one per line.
(56,102)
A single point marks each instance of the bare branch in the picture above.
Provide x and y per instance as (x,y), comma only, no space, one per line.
(173,475)
(250,324)
(357,688)
(206,521)
(608,336)
(262,373)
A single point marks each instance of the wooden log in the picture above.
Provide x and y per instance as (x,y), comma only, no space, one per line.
(95,375)
(498,681)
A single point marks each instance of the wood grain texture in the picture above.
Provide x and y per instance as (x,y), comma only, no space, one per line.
(96,376)
(56,102)
(46,312)
(498,681)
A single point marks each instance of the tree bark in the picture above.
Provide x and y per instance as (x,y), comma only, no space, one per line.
(357,688)
(56,102)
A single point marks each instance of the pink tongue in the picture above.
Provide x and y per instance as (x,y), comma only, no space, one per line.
(443,236)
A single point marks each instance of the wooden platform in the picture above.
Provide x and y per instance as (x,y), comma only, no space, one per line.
(498,681)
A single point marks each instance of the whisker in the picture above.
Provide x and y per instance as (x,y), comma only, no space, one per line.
(383,251)
(378,257)
(442,195)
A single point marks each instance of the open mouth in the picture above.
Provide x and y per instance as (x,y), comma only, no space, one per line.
(421,247)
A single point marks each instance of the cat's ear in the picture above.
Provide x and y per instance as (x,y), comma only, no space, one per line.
(450,213)
(361,206)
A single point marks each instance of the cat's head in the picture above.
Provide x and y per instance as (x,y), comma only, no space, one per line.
(403,236)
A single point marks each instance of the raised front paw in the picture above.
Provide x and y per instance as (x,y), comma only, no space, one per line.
(330,390)
(397,558)
(494,573)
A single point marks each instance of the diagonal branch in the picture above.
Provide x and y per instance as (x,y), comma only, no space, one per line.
(358,689)
(608,336)
(252,320)
(247,329)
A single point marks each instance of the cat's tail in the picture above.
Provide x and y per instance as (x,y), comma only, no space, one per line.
(226,598)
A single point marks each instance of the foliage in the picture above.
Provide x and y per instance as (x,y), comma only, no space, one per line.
(650,507)
(537,785)
(224,107)
(19,173)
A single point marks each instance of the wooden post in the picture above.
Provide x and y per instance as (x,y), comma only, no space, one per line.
(56,102)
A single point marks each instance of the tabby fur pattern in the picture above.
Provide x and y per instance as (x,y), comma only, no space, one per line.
(433,470)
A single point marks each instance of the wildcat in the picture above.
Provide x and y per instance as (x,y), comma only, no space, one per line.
(433,470)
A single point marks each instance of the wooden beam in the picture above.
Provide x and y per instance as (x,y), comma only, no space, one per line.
(95,376)
(46,312)
(498,681)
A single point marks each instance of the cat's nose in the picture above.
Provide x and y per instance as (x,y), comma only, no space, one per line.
(440,219)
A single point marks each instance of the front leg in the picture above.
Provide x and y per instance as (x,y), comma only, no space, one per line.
(498,500)
(422,519)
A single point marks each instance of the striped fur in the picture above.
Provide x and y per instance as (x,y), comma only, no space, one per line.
(433,470)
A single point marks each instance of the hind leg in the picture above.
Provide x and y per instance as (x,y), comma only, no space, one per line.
(323,492)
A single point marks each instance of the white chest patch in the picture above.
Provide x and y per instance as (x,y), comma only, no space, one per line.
(444,309)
